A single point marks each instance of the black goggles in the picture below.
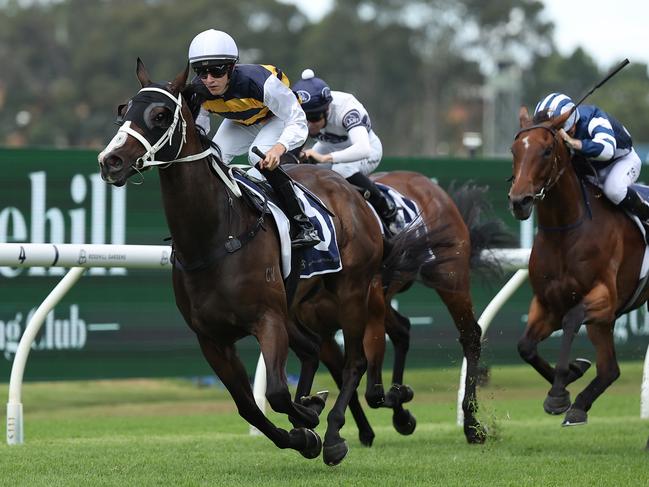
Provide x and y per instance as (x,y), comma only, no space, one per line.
(314,116)
(217,71)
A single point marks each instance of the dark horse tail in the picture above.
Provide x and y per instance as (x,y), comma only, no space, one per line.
(415,250)
(492,233)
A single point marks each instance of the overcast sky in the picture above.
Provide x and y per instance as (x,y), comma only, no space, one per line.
(608,30)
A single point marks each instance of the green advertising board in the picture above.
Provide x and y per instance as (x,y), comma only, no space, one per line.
(124,323)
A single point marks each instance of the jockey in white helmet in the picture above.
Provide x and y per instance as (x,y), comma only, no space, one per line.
(259,109)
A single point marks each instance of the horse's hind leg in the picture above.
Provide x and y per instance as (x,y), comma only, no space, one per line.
(273,340)
(374,345)
(607,372)
(353,309)
(228,367)
(558,399)
(333,358)
(461,309)
(397,327)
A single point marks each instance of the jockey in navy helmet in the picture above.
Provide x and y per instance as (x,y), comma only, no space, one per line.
(345,139)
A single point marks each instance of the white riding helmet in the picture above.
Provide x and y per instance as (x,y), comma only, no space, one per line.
(212,47)
(556,104)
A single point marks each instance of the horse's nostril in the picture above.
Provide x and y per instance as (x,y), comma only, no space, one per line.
(114,162)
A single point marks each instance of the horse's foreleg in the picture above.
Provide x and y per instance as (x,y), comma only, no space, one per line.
(539,327)
(228,367)
(607,372)
(273,340)
(333,358)
(558,399)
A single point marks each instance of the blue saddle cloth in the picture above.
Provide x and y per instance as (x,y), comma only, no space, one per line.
(324,258)
(407,207)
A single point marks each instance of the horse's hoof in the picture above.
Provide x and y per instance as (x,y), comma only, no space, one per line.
(375,397)
(575,417)
(315,402)
(366,437)
(404,422)
(475,433)
(334,454)
(398,394)
(578,368)
(557,404)
(313,443)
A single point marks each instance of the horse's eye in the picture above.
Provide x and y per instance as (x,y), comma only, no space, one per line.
(547,152)
(160,117)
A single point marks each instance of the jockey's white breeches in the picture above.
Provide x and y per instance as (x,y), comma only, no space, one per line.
(616,178)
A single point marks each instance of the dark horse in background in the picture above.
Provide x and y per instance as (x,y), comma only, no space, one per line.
(462,218)
(227,288)
(584,266)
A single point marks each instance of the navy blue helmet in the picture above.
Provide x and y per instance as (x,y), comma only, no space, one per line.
(315,95)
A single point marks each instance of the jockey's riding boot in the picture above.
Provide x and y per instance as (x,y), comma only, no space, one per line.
(634,203)
(305,234)
(383,205)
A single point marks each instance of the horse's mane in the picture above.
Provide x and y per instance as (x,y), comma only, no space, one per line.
(540,117)
(193,102)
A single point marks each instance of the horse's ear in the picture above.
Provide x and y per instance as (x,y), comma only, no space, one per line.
(180,81)
(524,117)
(142,74)
(557,122)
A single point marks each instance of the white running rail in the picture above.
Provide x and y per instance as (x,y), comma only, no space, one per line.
(78,257)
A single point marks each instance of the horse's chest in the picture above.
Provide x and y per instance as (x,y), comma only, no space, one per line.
(557,282)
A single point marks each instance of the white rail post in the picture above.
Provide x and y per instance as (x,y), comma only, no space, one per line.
(644,389)
(259,390)
(484,321)
(14,404)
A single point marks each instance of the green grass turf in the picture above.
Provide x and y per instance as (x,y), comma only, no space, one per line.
(170,432)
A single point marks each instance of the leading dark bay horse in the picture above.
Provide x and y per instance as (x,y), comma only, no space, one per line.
(227,279)
(584,266)
(462,215)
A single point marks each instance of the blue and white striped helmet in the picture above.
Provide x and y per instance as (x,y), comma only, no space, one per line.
(556,104)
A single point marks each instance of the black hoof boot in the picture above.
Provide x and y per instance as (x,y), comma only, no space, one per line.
(366,437)
(575,417)
(315,402)
(557,404)
(332,455)
(404,422)
(313,443)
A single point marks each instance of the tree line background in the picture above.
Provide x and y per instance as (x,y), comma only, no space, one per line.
(427,71)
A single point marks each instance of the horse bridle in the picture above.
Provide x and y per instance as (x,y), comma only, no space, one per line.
(179,124)
(555,173)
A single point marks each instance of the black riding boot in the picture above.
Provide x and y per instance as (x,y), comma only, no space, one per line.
(305,234)
(634,203)
(383,205)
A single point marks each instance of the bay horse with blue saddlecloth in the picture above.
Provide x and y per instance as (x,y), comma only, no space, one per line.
(586,265)
(228,274)
(462,215)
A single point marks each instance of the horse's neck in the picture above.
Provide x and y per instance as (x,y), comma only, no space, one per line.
(564,203)
(199,210)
